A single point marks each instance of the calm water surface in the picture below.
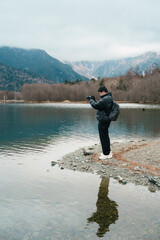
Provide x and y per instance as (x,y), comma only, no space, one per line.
(38,201)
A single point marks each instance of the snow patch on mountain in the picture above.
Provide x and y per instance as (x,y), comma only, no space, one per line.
(112,68)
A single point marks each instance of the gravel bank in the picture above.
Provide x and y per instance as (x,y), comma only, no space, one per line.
(135,161)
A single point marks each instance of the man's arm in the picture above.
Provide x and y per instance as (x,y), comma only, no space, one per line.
(96,104)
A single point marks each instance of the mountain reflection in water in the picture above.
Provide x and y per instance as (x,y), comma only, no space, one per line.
(107,212)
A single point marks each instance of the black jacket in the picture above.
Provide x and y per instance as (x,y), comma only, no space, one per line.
(103,106)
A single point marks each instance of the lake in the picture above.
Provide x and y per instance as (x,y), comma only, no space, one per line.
(40,202)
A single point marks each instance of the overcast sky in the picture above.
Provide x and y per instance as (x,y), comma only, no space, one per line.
(82,29)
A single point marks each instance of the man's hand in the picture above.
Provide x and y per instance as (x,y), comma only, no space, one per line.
(91,97)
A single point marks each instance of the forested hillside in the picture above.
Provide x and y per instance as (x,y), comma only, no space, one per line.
(12,79)
(35,62)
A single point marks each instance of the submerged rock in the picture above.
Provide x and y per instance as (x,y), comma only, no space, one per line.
(152,189)
(53,163)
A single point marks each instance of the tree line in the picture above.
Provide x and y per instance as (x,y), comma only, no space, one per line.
(131,87)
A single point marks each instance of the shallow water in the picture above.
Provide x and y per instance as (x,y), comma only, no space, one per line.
(39,127)
(38,201)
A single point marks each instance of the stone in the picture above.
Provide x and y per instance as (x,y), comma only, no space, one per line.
(117,177)
(152,189)
(87,151)
(120,180)
(53,163)
(84,168)
(153,180)
(90,148)
(137,168)
(124,181)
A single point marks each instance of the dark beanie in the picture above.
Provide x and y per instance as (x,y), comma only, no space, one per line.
(102,88)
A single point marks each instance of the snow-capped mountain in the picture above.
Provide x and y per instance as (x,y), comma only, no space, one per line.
(112,68)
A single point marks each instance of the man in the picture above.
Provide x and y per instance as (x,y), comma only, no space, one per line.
(104,107)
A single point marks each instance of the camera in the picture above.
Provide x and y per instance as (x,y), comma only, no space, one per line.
(91,97)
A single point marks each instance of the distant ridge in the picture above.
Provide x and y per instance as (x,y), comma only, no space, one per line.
(113,68)
(37,61)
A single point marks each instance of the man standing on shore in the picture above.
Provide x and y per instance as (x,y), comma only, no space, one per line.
(103,107)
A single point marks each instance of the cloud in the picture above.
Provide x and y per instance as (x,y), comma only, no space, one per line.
(81,30)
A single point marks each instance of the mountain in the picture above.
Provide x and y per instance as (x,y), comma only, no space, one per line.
(38,62)
(113,68)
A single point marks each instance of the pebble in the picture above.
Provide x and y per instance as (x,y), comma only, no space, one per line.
(53,163)
(117,177)
(90,148)
(87,152)
(124,181)
(137,168)
(153,180)
(120,180)
(151,189)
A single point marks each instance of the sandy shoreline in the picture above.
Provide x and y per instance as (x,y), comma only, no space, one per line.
(133,162)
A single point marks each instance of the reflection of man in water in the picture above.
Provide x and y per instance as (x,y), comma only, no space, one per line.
(107,212)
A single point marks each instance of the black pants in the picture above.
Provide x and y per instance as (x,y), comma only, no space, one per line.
(104,137)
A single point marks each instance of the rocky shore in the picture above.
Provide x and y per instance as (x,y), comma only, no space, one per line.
(133,162)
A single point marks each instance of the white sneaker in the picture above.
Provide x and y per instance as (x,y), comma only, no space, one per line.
(103,157)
